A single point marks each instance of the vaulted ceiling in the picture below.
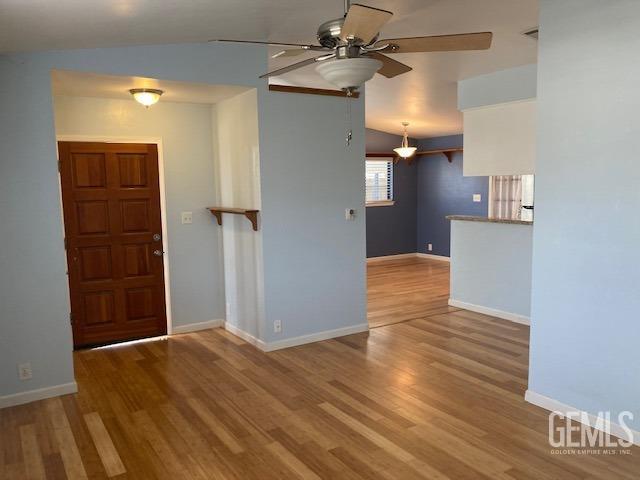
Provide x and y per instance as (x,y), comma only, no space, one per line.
(426,97)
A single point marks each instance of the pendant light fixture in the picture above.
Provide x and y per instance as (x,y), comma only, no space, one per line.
(146,96)
(405,151)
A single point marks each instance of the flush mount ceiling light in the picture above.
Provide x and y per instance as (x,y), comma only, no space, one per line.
(405,151)
(146,96)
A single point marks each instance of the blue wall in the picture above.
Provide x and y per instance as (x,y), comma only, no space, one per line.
(584,307)
(442,191)
(425,193)
(392,230)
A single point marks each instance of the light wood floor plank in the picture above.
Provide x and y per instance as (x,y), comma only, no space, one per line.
(430,393)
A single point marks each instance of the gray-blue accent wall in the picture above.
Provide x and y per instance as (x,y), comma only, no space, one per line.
(442,191)
(391,230)
(425,192)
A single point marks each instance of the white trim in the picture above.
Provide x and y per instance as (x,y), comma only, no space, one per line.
(500,104)
(315,337)
(163,199)
(194,327)
(380,203)
(512,317)
(38,394)
(295,341)
(428,256)
(431,256)
(245,336)
(390,257)
(554,405)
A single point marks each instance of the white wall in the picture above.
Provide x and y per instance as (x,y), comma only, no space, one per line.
(193,251)
(491,268)
(586,262)
(500,139)
(235,133)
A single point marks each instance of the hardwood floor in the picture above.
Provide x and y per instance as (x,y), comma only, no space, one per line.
(431,398)
(406,288)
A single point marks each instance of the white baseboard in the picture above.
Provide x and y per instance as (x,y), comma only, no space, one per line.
(554,405)
(38,394)
(295,341)
(430,256)
(408,255)
(513,317)
(316,337)
(390,257)
(194,327)
(245,336)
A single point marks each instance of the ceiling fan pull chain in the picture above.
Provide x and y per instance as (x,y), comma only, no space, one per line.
(349,131)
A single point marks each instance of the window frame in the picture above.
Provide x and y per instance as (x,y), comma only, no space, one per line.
(389,201)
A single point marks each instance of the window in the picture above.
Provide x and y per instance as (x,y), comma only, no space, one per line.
(511,197)
(379,182)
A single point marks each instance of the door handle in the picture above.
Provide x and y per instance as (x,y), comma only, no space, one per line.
(158,253)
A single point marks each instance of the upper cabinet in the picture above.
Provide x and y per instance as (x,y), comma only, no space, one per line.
(500,139)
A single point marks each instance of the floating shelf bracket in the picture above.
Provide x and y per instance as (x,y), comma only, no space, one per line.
(252,215)
(447,152)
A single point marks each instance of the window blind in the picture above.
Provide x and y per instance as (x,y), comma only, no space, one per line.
(378,181)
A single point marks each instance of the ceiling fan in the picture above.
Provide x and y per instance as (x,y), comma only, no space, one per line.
(352,52)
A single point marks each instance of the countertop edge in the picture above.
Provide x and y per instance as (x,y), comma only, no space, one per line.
(470,218)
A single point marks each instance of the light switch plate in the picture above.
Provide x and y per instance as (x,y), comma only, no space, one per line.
(187,218)
(477,197)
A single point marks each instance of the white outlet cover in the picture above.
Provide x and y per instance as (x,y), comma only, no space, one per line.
(187,218)
(24,371)
(477,197)
(429,247)
(277,326)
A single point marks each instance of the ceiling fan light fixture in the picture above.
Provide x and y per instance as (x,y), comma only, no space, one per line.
(405,151)
(349,73)
(146,96)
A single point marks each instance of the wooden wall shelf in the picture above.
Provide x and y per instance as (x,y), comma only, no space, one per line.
(252,215)
(447,152)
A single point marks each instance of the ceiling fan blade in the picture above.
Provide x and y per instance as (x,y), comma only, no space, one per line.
(294,52)
(275,44)
(363,23)
(390,67)
(295,66)
(438,43)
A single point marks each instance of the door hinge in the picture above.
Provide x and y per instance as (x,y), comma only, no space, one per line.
(60,165)
(71,318)
(66,247)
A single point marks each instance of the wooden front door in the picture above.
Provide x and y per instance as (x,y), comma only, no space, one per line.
(111,202)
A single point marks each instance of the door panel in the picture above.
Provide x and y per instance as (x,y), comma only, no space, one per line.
(111,200)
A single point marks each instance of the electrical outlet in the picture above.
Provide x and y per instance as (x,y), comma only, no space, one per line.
(429,247)
(349,214)
(477,198)
(187,218)
(277,326)
(24,371)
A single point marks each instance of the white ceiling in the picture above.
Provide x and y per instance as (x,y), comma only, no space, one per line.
(79,84)
(426,97)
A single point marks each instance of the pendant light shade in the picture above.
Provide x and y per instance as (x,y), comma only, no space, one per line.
(405,151)
(146,96)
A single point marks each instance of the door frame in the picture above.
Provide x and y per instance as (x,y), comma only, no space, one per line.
(163,202)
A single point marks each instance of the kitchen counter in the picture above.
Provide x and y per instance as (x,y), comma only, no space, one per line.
(469,218)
